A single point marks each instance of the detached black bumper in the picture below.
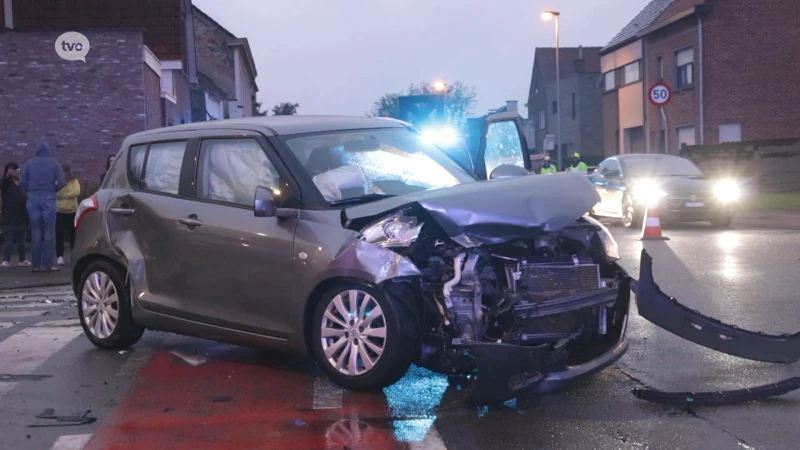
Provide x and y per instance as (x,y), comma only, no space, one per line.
(667,313)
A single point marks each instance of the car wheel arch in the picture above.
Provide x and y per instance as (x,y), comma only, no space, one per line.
(80,266)
(326,285)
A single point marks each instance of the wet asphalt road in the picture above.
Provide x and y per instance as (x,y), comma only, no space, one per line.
(742,276)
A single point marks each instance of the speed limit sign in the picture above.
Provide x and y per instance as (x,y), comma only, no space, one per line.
(660,94)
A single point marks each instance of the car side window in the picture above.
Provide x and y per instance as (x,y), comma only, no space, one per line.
(162,168)
(231,169)
(136,164)
(602,169)
(609,167)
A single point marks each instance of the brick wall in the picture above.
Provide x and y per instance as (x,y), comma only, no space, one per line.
(152,95)
(772,165)
(752,69)
(180,112)
(684,107)
(214,58)
(611,123)
(164,21)
(83,110)
(590,116)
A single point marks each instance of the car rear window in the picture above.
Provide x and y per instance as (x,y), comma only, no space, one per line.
(162,169)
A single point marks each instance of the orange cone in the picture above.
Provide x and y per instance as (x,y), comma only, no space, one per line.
(651,228)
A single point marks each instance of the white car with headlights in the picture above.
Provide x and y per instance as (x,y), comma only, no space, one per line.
(628,184)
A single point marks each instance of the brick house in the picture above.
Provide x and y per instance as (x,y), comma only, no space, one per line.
(727,63)
(226,73)
(581,97)
(138,75)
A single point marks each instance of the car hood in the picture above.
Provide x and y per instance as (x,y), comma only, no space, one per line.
(495,211)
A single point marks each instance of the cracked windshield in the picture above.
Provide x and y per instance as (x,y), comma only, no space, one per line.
(540,224)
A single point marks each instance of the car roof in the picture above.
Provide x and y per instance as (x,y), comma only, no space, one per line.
(654,156)
(284,125)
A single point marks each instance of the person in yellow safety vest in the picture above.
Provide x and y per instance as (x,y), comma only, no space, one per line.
(577,164)
(547,166)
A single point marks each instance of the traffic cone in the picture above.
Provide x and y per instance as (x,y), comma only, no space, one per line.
(651,226)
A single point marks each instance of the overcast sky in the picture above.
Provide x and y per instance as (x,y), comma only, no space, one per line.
(338,57)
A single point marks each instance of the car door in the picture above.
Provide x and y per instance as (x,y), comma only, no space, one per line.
(238,266)
(502,141)
(143,222)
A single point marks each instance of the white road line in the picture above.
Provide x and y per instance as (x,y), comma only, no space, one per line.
(327,395)
(432,441)
(25,351)
(71,442)
(15,314)
(4,325)
(136,361)
(6,387)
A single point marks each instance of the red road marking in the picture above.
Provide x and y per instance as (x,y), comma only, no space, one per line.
(170,406)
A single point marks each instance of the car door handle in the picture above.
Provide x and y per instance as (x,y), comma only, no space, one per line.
(190,222)
(123,211)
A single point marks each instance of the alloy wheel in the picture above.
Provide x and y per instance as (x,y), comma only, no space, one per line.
(353,332)
(100,304)
(627,213)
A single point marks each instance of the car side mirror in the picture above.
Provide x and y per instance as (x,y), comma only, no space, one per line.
(265,204)
(508,171)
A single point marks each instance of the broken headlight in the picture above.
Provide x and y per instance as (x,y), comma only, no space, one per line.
(396,230)
(609,243)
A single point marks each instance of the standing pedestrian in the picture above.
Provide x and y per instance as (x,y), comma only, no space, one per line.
(14,218)
(65,213)
(41,178)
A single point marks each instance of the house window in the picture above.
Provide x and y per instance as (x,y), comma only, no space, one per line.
(610,81)
(685,136)
(555,107)
(731,132)
(574,109)
(632,73)
(168,82)
(541,120)
(660,68)
(685,62)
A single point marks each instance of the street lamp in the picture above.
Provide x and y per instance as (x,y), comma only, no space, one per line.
(548,15)
(439,86)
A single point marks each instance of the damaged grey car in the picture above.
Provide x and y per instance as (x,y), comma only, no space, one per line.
(356,242)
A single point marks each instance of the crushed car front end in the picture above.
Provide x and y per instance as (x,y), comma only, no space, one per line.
(516,296)
(530,314)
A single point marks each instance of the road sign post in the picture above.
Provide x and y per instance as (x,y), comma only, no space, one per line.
(660,94)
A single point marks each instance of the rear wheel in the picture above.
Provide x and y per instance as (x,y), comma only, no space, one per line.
(363,340)
(104,308)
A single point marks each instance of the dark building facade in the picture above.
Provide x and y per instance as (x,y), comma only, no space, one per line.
(727,64)
(580,103)
(138,75)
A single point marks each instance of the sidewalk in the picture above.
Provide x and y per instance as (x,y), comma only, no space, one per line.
(22,277)
(768,219)
(16,277)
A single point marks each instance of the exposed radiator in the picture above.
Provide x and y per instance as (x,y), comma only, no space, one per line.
(552,278)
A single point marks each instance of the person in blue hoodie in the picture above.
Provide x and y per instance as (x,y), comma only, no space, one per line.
(42,176)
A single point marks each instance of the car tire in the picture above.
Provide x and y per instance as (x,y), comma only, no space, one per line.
(631,218)
(722,221)
(102,293)
(398,348)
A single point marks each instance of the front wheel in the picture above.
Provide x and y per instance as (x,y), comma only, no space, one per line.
(630,217)
(104,308)
(363,340)
(722,221)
